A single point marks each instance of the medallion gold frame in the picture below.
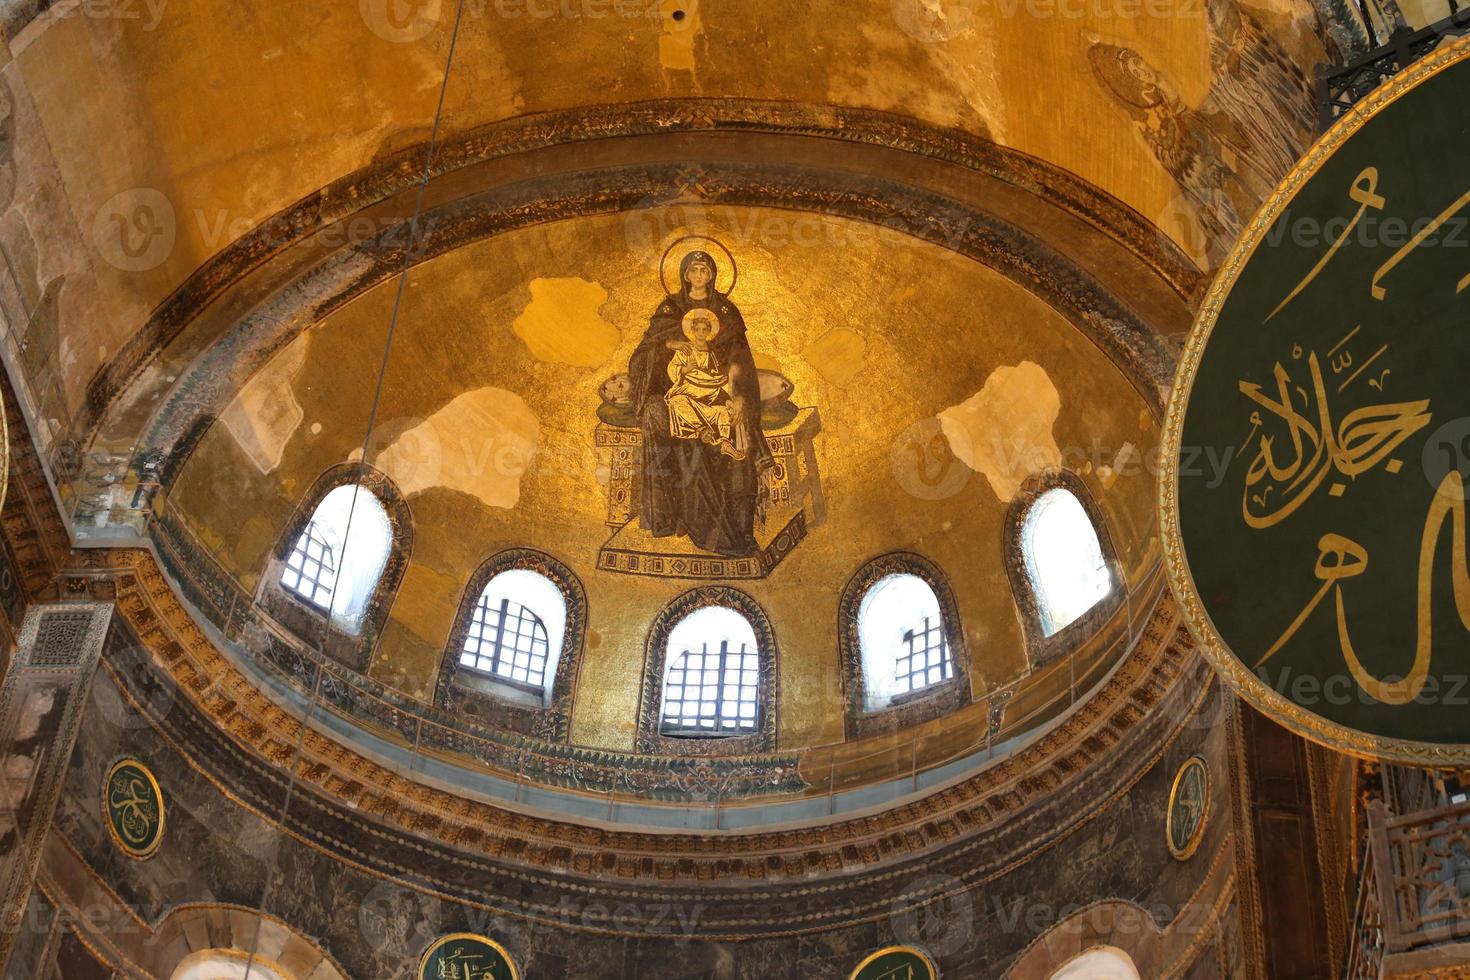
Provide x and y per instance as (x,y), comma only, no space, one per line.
(916,951)
(132,852)
(1232,669)
(1190,846)
(515,971)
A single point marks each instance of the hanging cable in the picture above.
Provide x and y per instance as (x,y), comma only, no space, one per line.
(402,281)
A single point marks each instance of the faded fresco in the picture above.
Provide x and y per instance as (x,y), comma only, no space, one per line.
(1227,153)
(123,230)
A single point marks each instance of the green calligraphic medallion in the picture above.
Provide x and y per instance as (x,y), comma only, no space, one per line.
(1317,446)
(132,804)
(1189,804)
(466,956)
(897,963)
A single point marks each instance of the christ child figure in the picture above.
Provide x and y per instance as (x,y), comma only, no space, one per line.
(699,398)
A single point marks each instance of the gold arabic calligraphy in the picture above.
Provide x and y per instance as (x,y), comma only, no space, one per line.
(1288,468)
(1363,439)
(131,800)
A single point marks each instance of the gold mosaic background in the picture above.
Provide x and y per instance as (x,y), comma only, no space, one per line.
(229,112)
(488,411)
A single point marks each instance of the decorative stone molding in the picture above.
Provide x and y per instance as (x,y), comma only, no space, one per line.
(932,702)
(650,739)
(42,703)
(462,700)
(388,822)
(698,126)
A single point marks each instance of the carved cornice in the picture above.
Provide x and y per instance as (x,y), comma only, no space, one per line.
(347,804)
(204,390)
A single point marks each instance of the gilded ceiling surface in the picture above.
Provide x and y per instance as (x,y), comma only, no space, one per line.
(963,240)
(924,387)
(160,140)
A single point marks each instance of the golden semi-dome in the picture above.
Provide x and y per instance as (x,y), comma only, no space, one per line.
(541,460)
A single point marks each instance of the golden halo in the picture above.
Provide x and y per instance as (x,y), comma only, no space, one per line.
(663,263)
(700,313)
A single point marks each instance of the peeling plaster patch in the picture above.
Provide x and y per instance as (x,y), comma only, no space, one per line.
(481,443)
(215,379)
(265,414)
(837,355)
(676,41)
(562,324)
(1004,431)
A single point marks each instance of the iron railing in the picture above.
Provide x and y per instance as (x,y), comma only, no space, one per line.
(1396,46)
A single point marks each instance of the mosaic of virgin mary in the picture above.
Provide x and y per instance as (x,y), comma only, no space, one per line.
(696,396)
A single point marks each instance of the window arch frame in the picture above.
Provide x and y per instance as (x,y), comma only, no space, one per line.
(911,708)
(650,738)
(1094,956)
(305,618)
(466,692)
(1042,649)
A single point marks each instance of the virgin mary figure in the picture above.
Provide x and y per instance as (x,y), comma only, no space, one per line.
(703,481)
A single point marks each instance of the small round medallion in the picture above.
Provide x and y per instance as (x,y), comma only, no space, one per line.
(132,805)
(1189,802)
(464,954)
(897,963)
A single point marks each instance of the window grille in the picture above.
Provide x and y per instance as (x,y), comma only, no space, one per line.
(311,568)
(923,657)
(709,693)
(508,641)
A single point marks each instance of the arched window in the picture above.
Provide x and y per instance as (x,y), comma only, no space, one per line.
(511,658)
(516,633)
(709,677)
(903,638)
(712,681)
(900,645)
(338,558)
(1060,559)
(1098,963)
(228,964)
(332,575)
(1064,559)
